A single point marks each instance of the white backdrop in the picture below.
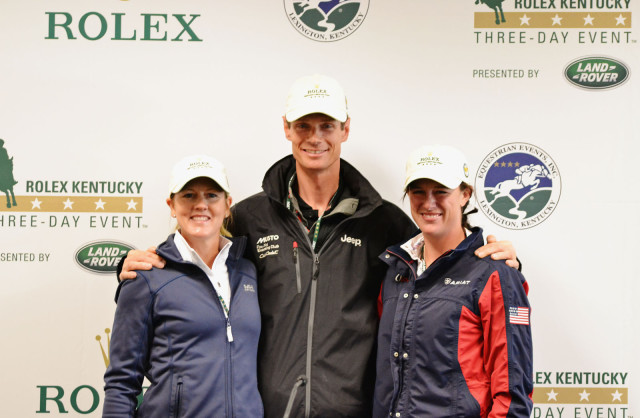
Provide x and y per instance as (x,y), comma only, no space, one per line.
(115,115)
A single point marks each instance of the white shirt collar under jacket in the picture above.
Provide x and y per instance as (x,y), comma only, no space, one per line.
(414,246)
(218,274)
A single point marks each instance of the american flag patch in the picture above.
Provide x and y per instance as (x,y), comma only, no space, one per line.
(519,315)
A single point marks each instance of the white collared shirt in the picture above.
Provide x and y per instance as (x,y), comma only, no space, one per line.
(218,273)
(414,247)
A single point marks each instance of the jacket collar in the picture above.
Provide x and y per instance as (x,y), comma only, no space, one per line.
(275,184)
(471,242)
(169,251)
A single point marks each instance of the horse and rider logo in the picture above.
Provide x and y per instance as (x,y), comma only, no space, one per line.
(328,20)
(518,186)
(496,5)
(6,176)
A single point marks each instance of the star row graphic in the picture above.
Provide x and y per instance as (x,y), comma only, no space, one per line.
(106,204)
(551,20)
(571,395)
(505,164)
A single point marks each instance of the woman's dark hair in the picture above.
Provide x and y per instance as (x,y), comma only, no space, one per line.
(465,216)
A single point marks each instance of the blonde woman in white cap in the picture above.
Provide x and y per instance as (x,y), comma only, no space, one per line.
(191,328)
(454,337)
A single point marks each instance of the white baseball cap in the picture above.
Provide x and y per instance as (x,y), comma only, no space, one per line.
(440,163)
(195,166)
(316,94)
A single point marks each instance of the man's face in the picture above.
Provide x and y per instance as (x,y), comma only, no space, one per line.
(316,140)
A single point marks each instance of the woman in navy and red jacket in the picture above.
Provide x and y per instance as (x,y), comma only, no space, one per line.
(454,337)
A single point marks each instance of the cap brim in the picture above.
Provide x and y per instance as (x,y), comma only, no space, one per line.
(448,182)
(295,114)
(180,185)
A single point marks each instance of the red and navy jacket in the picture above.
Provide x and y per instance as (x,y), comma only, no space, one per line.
(454,341)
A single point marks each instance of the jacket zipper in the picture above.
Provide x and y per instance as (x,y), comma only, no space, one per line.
(396,398)
(227,317)
(306,380)
(312,314)
(300,381)
(230,408)
(228,364)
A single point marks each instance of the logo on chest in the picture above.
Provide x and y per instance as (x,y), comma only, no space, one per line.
(267,245)
(451,282)
(356,242)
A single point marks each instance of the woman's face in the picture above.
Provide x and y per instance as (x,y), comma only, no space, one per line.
(200,208)
(436,209)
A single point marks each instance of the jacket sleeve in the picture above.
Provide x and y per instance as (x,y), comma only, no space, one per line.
(129,348)
(508,352)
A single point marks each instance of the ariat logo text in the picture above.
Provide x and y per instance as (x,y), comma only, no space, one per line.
(451,282)
(249,288)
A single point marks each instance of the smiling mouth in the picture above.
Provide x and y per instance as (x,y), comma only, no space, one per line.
(314,151)
(431,215)
(200,218)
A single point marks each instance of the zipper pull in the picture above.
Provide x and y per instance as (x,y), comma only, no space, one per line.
(229,334)
(316,266)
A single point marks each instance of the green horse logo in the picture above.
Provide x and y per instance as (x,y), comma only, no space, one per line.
(6,175)
(496,5)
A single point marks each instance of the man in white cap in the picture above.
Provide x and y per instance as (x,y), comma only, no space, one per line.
(315,233)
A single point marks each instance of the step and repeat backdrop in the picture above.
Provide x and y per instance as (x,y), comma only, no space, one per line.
(99,98)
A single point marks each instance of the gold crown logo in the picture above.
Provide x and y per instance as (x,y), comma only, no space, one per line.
(105,354)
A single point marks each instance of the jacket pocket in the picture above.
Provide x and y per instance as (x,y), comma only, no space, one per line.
(177,403)
(297,263)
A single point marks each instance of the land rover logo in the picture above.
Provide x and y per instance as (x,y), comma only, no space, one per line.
(596,73)
(101,256)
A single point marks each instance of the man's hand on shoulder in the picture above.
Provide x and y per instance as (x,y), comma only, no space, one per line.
(140,260)
(499,250)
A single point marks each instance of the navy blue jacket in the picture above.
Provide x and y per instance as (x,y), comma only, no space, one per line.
(455,341)
(170,327)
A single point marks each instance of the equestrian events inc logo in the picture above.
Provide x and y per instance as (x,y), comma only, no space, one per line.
(518,185)
(326,21)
